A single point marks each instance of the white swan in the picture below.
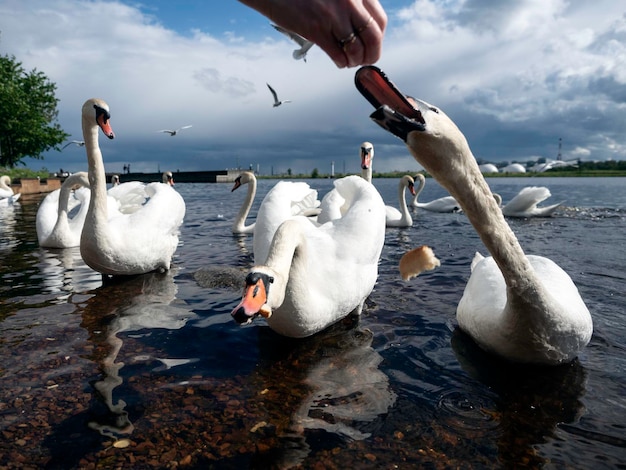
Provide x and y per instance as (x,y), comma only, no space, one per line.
(523,308)
(125,243)
(401,217)
(524,204)
(61,214)
(7,196)
(394,217)
(366,152)
(315,274)
(239,224)
(443,204)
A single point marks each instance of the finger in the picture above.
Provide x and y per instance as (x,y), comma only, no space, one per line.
(376,10)
(371,37)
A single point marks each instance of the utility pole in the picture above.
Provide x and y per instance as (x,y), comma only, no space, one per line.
(559,157)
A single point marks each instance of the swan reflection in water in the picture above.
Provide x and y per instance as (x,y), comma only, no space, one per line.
(8,224)
(532,403)
(64,271)
(146,302)
(346,393)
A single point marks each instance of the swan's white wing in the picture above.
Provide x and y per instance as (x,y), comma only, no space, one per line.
(130,196)
(147,238)
(526,200)
(47,214)
(284,200)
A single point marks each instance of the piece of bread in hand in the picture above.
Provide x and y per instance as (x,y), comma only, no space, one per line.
(417,261)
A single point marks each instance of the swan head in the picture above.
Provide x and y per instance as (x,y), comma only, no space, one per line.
(168,178)
(498,199)
(431,136)
(407,182)
(96,113)
(244,178)
(254,301)
(367,155)
(420,178)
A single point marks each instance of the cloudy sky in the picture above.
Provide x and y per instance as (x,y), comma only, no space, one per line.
(515,76)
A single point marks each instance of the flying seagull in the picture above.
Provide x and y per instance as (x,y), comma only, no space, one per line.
(277,102)
(79,143)
(173,133)
(304,44)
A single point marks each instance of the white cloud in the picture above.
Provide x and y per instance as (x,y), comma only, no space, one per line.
(515,76)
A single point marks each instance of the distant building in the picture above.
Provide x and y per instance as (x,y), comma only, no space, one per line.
(488,168)
(513,168)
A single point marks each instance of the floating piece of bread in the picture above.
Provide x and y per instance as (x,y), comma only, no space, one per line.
(416,261)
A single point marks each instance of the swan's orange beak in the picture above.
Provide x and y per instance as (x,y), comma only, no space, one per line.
(366,158)
(254,298)
(412,189)
(105,125)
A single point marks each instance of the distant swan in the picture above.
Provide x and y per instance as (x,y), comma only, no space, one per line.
(239,225)
(394,217)
(168,178)
(443,204)
(524,204)
(314,275)
(401,217)
(61,214)
(136,242)
(6,193)
(523,308)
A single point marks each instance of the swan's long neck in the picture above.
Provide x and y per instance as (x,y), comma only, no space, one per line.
(247,205)
(286,252)
(404,210)
(64,196)
(456,169)
(366,173)
(4,183)
(97,214)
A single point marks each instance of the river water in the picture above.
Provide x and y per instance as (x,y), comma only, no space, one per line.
(153,372)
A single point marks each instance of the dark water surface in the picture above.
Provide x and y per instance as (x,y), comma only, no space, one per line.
(156,364)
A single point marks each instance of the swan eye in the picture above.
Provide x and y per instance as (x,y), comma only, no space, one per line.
(102,112)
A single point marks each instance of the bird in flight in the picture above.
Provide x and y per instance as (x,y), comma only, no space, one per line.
(304,44)
(173,133)
(79,143)
(277,102)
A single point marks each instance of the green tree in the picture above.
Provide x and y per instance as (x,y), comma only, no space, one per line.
(28,111)
(315,173)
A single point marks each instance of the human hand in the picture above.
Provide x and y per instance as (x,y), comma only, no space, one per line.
(349,31)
